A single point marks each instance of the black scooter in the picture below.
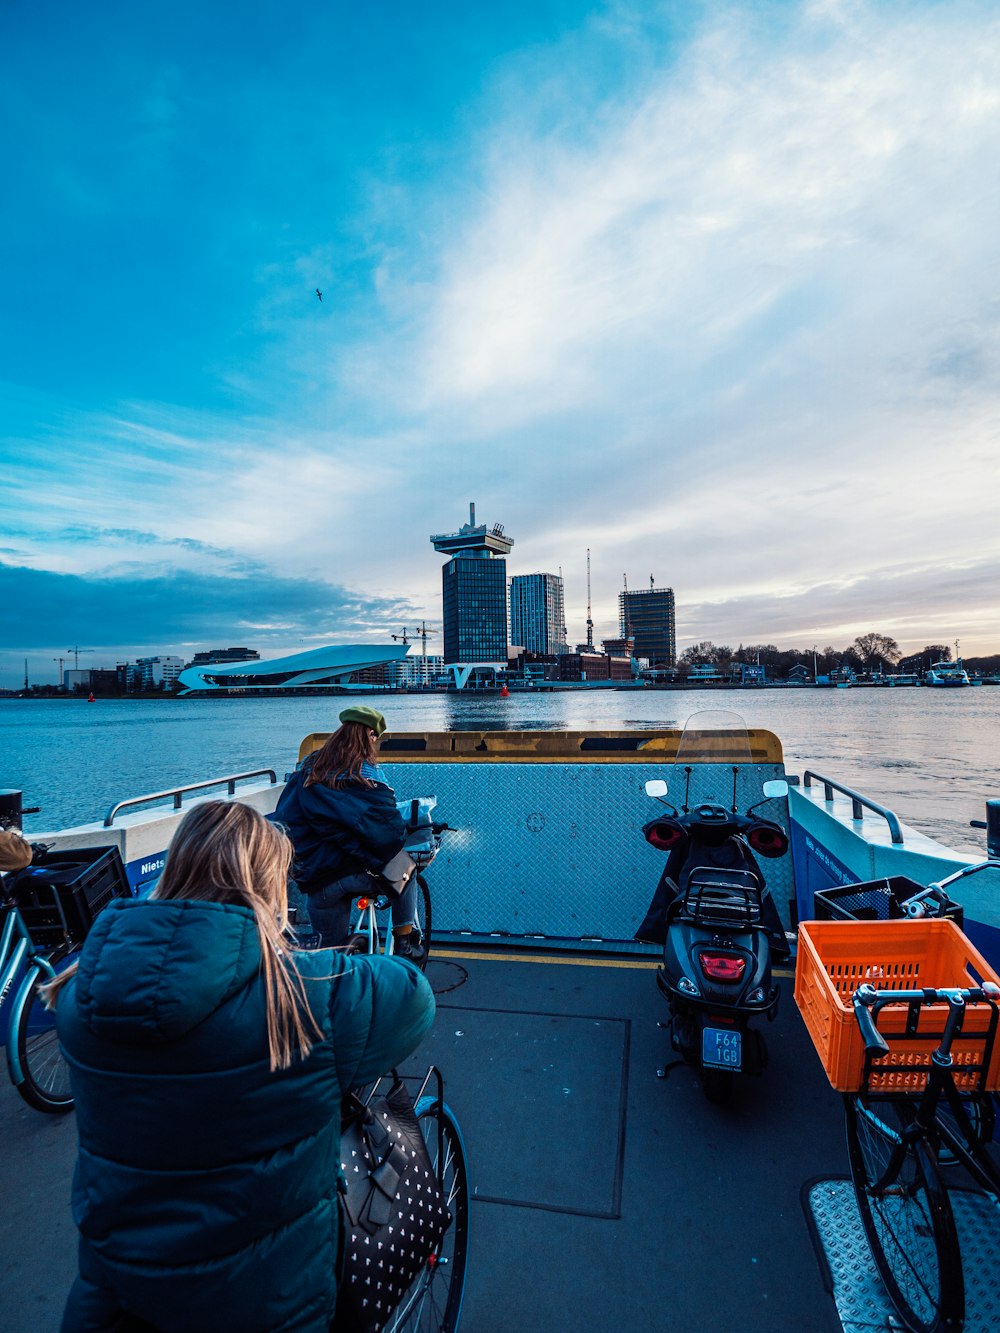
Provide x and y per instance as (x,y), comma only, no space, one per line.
(720,932)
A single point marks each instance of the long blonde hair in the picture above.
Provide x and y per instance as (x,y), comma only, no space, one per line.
(225,852)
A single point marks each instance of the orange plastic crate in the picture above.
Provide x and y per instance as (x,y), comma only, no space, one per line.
(836,957)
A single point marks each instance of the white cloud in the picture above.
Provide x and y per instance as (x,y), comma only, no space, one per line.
(734,323)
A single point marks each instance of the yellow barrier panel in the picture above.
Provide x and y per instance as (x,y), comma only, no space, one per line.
(579,747)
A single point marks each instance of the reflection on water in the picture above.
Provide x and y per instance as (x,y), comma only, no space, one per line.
(930,755)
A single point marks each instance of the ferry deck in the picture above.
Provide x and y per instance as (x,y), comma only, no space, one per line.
(603,1195)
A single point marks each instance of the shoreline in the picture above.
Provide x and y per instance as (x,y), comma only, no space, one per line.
(518,692)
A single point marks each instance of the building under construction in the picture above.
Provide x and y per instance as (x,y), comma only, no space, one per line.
(647,618)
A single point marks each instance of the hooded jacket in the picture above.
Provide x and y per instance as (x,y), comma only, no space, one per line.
(205,1188)
(337,831)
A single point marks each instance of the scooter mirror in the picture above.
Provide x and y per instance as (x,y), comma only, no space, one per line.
(656,787)
(779,787)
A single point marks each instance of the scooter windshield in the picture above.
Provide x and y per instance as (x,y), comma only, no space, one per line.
(714,736)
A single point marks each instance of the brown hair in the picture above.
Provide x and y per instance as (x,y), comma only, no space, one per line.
(225,852)
(340,758)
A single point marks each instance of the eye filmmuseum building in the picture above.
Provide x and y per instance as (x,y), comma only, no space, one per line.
(474,592)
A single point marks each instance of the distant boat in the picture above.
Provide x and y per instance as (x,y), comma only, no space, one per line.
(946,673)
(904,678)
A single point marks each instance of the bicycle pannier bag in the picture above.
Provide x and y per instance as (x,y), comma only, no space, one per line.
(393,1214)
(397,872)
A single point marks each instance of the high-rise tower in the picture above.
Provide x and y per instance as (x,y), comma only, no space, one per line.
(537,614)
(474,592)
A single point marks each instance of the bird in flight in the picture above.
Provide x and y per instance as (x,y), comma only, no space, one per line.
(319,293)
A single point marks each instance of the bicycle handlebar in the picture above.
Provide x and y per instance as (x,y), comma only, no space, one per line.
(868,1001)
(875,1044)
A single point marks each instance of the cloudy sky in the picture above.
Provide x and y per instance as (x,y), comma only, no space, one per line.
(713,290)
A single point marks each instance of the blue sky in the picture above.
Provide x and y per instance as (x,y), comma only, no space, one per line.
(711,290)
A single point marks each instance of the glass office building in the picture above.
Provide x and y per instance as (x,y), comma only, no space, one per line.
(647,617)
(537,613)
(474,592)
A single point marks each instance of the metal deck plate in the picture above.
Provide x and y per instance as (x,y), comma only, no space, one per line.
(555,1110)
(857,1288)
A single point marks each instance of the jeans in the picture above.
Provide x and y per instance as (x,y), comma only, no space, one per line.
(330,907)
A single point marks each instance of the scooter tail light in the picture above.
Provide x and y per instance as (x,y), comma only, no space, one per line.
(664,837)
(723,966)
(362,904)
(767,840)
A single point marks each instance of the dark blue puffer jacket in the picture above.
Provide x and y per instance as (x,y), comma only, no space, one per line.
(205,1188)
(337,831)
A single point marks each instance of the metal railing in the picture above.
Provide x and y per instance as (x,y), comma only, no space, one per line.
(178,792)
(859,803)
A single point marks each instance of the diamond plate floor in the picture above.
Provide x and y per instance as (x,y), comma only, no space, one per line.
(857,1288)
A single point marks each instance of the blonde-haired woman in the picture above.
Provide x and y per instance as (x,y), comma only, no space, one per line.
(208,1065)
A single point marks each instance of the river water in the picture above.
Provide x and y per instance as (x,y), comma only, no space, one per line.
(932,756)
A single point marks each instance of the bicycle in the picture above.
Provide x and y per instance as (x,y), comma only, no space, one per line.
(34,1058)
(423,842)
(46,909)
(895,1142)
(433,1302)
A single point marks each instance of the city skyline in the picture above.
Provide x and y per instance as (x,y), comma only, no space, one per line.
(706,290)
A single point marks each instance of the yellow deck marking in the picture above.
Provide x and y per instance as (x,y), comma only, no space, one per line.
(566,960)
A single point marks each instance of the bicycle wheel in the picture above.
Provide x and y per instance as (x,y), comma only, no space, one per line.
(907,1218)
(433,1303)
(978,1108)
(42,1075)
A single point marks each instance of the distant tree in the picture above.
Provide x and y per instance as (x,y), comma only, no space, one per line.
(701,654)
(876,650)
(983,666)
(931,652)
(766,654)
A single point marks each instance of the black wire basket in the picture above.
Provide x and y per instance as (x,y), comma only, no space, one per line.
(875,900)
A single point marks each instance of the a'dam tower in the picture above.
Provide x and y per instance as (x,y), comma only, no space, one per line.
(474,593)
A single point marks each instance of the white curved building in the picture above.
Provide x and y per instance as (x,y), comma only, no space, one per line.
(317,668)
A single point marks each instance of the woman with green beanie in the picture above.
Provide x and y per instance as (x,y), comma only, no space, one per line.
(341,816)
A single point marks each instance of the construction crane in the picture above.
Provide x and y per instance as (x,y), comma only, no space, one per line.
(423,634)
(60,660)
(76,656)
(590,618)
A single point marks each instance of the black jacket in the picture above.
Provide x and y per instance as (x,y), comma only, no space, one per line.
(337,831)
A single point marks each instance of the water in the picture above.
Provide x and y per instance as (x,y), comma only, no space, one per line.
(930,755)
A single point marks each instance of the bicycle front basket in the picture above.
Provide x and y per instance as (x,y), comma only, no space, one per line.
(836,957)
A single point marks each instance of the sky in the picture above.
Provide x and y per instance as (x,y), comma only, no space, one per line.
(711,290)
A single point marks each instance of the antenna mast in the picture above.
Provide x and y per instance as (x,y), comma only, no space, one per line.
(590,618)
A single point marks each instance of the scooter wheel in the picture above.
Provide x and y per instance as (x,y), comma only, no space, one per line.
(717,1085)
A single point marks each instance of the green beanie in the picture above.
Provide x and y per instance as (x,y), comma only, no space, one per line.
(367,717)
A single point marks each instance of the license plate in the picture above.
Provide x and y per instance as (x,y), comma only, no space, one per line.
(722,1048)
